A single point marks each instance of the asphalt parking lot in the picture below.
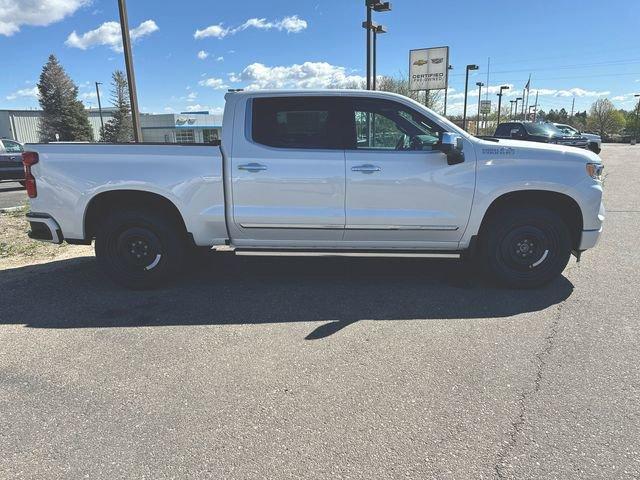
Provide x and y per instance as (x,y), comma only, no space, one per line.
(325,369)
(12,194)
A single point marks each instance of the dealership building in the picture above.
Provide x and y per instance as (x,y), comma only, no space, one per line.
(187,127)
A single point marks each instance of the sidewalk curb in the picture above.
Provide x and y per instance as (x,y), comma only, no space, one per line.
(11,209)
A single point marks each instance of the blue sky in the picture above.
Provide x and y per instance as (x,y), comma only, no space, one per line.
(584,49)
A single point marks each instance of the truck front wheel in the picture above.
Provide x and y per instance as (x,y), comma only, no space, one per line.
(139,249)
(525,247)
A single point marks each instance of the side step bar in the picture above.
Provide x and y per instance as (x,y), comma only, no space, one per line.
(337,253)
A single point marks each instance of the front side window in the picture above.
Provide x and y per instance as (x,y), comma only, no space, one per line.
(387,125)
(296,122)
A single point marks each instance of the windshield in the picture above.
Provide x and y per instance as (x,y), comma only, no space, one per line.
(542,129)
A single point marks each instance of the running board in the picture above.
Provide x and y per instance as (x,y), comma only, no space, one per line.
(300,253)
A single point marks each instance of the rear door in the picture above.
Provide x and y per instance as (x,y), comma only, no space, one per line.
(400,190)
(288,172)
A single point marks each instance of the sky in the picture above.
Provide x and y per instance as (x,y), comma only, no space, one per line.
(187,54)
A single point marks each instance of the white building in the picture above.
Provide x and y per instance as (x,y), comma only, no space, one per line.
(188,127)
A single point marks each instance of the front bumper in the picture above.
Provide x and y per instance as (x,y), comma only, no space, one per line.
(44,228)
(590,238)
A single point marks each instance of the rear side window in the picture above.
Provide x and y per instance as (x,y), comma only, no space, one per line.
(297,122)
(504,130)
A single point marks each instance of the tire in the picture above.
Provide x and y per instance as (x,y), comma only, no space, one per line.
(525,247)
(594,148)
(140,249)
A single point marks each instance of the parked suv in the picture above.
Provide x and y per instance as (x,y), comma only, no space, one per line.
(595,141)
(538,132)
(11,168)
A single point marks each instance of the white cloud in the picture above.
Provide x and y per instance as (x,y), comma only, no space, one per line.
(306,75)
(203,108)
(109,34)
(202,55)
(16,13)
(291,24)
(88,95)
(191,97)
(215,83)
(23,93)
(220,59)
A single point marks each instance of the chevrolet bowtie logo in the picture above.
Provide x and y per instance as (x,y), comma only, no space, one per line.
(420,62)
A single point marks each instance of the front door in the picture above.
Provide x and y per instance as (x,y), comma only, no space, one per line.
(288,174)
(400,190)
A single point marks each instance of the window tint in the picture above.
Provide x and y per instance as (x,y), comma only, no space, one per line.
(297,122)
(12,147)
(504,130)
(388,125)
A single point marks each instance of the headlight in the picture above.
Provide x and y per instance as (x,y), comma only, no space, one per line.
(594,170)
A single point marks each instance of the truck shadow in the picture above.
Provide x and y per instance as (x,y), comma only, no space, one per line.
(227,290)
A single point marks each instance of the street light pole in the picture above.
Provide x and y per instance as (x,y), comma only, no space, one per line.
(378,29)
(466,88)
(480,85)
(502,87)
(378,6)
(446,94)
(637,95)
(131,79)
(516,109)
(511,109)
(100,108)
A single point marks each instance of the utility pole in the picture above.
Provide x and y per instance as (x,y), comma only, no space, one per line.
(573,103)
(100,108)
(131,79)
(480,85)
(466,88)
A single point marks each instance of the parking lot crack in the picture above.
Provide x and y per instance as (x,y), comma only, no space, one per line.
(517,425)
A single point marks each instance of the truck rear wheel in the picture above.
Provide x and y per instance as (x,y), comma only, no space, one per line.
(139,249)
(525,247)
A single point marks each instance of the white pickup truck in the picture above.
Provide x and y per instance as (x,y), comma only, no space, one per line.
(350,173)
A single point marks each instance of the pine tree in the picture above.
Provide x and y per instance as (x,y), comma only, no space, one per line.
(62,113)
(120,128)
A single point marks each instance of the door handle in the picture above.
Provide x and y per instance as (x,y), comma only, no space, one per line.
(252,167)
(366,168)
(13,158)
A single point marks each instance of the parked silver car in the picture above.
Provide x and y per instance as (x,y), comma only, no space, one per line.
(595,142)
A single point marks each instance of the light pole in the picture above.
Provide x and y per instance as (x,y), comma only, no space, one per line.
(480,85)
(378,6)
(516,109)
(100,108)
(502,87)
(466,88)
(446,94)
(131,78)
(511,109)
(379,29)
(637,95)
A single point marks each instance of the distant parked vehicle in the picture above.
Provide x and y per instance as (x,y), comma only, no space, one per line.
(595,141)
(11,168)
(538,132)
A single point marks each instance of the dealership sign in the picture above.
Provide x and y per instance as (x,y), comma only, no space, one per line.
(429,68)
(485,106)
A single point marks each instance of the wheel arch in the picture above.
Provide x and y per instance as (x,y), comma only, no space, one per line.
(560,203)
(99,206)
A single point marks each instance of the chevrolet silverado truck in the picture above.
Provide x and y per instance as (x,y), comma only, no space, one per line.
(321,173)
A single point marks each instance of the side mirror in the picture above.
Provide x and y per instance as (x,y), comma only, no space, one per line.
(451,145)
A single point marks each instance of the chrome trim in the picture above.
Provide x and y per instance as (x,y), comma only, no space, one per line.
(292,225)
(263,253)
(403,227)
